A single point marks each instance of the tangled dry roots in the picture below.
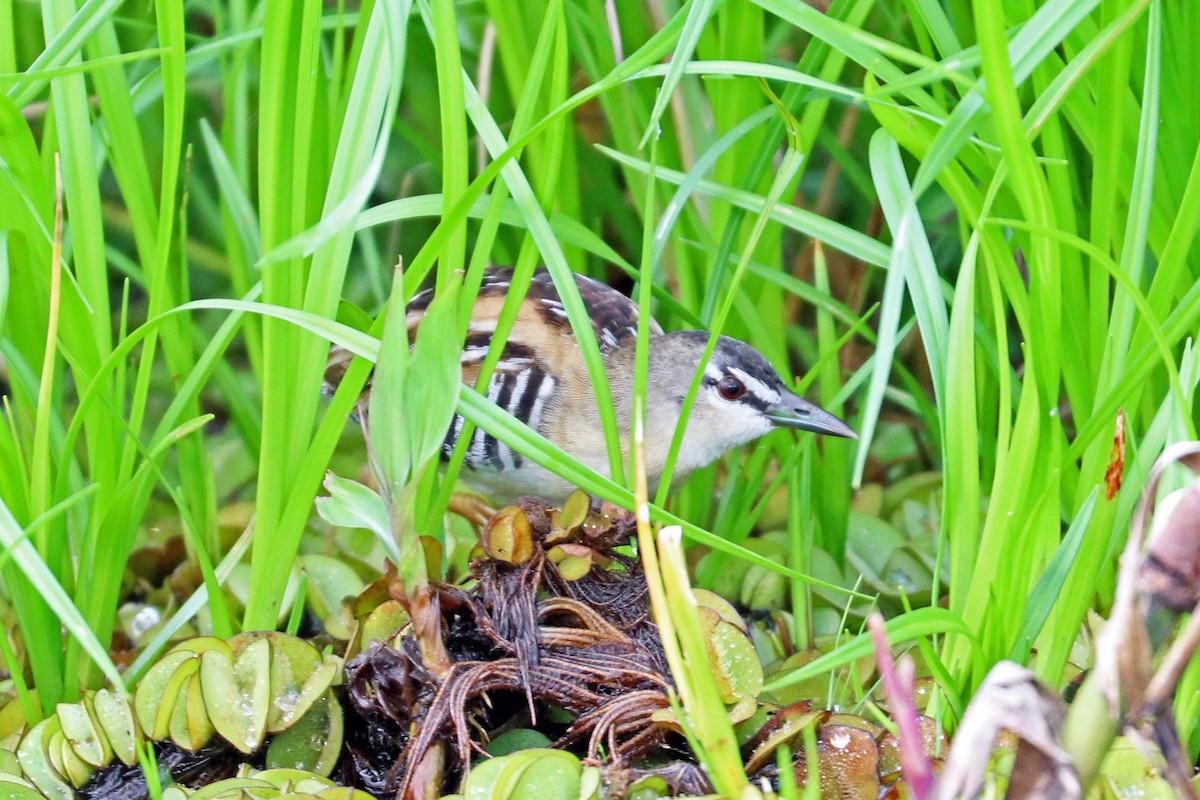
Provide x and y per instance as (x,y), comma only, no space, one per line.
(526,644)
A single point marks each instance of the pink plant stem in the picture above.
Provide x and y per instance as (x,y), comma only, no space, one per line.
(898,685)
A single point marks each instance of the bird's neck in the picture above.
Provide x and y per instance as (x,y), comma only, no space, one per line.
(663,402)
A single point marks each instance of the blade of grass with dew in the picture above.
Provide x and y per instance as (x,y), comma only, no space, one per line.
(345,202)
(651,51)
(568,230)
(676,613)
(818,59)
(286,92)
(1033,198)
(800,544)
(241,210)
(153,223)
(451,103)
(550,159)
(391,445)
(738,35)
(150,467)
(31,602)
(705,715)
(1029,47)
(704,164)
(91,65)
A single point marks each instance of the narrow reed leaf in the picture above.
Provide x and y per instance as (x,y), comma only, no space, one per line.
(374,98)
(911,254)
(244,217)
(390,437)
(698,12)
(40,576)
(959,532)
(62,48)
(434,376)
(922,622)
(1052,582)
(1036,40)
(834,234)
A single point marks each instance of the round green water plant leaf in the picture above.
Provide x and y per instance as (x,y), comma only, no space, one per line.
(10,767)
(315,686)
(649,787)
(590,783)
(12,714)
(1127,772)
(294,780)
(81,729)
(732,656)
(517,739)
(34,757)
(240,788)
(202,644)
(719,604)
(330,581)
(10,790)
(159,689)
(238,693)
(383,622)
(190,725)
(114,713)
(526,775)
(343,793)
(784,726)
(67,762)
(312,743)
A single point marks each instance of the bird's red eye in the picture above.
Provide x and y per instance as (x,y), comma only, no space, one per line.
(731,388)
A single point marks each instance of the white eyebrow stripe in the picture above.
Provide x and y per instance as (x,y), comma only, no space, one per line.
(712,371)
(755,386)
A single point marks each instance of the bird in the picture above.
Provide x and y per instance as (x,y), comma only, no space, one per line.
(542,380)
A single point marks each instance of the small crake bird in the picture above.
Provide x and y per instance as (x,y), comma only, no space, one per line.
(541,379)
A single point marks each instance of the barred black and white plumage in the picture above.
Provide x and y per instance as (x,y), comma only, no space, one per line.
(541,379)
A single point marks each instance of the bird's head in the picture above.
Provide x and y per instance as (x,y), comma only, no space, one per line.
(741,396)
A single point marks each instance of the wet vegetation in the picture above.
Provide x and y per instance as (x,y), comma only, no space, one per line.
(967,228)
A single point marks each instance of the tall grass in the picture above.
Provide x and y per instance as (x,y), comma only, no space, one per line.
(975,218)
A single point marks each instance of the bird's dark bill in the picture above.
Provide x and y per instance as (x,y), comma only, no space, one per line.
(796,412)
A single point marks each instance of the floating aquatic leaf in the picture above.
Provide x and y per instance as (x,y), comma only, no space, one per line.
(312,743)
(238,693)
(34,757)
(115,716)
(81,729)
